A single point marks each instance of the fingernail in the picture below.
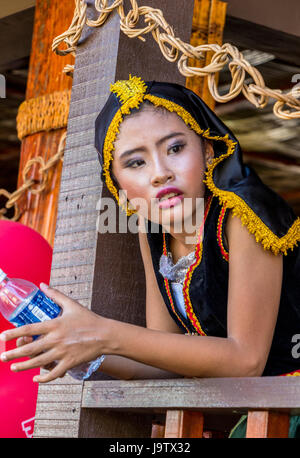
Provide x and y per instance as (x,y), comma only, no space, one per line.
(35,379)
(3,357)
(43,285)
(13,367)
(3,336)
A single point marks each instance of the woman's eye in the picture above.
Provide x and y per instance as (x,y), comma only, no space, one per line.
(134,163)
(176,148)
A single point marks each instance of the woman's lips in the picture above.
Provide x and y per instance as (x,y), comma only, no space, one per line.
(167,198)
(171,201)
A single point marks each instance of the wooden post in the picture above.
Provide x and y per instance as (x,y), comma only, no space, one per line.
(184,423)
(158,430)
(208,26)
(102,271)
(266,424)
(45,77)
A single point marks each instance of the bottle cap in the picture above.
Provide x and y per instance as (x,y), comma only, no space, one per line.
(2,275)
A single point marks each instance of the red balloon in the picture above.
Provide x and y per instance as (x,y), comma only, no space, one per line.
(24,254)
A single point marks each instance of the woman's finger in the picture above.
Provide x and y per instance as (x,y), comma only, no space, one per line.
(59,298)
(58,371)
(40,360)
(23,341)
(36,329)
(27,330)
(27,350)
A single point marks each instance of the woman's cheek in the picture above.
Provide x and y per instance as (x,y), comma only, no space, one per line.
(134,189)
(137,197)
(192,173)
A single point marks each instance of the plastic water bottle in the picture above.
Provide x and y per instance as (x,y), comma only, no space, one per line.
(22,302)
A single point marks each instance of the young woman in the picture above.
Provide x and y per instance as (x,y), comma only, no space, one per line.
(222,300)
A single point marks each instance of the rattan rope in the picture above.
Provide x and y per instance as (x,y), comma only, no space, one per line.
(30,184)
(43,113)
(286,105)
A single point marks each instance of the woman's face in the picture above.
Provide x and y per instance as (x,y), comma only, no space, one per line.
(158,160)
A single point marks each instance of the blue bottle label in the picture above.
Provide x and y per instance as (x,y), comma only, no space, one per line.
(39,308)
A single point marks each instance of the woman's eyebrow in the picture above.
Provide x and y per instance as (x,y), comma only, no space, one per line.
(167,137)
(143,149)
(132,151)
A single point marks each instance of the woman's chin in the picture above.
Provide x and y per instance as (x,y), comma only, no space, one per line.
(174,218)
(177,218)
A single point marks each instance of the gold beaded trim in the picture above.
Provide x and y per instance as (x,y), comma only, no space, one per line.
(127,89)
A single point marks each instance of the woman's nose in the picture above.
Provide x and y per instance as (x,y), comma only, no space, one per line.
(161,175)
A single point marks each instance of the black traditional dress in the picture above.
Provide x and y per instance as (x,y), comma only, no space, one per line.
(230,185)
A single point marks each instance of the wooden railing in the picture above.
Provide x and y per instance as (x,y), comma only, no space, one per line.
(184,405)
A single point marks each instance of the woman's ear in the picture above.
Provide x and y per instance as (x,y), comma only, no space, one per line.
(208,152)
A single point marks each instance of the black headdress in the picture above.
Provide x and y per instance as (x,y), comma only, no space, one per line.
(264,212)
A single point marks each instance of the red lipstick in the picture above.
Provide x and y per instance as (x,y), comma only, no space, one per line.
(168,190)
(170,201)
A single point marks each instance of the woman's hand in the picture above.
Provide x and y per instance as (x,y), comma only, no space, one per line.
(25,340)
(75,337)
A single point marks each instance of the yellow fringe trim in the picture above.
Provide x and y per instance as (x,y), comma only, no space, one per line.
(293,374)
(248,217)
(133,92)
(47,112)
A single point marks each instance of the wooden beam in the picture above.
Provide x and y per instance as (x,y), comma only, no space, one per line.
(10,8)
(214,395)
(145,58)
(272,157)
(294,194)
(119,274)
(15,38)
(274,14)
(246,34)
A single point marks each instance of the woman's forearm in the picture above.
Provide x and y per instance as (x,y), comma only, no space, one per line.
(187,356)
(80,335)
(128,369)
